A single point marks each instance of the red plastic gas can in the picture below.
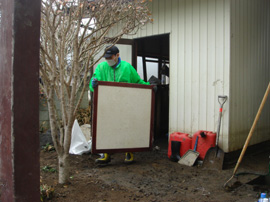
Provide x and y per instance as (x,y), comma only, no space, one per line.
(180,137)
(205,141)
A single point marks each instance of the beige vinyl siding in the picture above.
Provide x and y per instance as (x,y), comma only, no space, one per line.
(217,47)
(201,67)
(249,70)
(199,61)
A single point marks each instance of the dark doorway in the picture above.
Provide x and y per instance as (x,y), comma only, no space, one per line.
(153,65)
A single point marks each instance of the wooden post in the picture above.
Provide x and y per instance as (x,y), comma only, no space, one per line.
(19,100)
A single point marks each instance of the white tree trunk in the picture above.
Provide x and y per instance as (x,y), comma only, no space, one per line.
(63,162)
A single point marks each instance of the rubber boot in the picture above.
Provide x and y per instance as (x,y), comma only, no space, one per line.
(129,158)
(104,159)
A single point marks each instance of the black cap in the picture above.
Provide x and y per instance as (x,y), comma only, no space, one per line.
(111,51)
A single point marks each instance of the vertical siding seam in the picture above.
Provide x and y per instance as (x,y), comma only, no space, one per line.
(159,13)
(264,40)
(199,112)
(185,63)
(267,42)
(166,7)
(223,70)
(192,67)
(178,13)
(207,61)
(176,86)
(152,24)
(224,47)
(230,74)
(215,58)
(171,16)
(177,64)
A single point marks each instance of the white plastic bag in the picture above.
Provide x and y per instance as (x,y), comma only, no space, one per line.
(78,144)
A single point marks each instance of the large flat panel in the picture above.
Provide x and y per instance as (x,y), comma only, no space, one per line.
(123,117)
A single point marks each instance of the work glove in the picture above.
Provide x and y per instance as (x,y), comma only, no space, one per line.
(94,82)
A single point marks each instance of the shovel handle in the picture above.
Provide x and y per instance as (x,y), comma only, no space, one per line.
(252,128)
(221,100)
(195,147)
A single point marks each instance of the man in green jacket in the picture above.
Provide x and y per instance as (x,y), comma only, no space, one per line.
(114,70)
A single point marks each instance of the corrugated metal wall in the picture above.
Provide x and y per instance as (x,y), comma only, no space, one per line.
(200,53)
(249,77)
(217,47)
(199,60)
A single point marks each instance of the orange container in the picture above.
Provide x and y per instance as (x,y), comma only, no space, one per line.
(204,143)
(180,137)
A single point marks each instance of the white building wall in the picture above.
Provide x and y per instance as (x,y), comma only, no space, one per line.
(202,71)
(199,61)
(217,47)
(250,67)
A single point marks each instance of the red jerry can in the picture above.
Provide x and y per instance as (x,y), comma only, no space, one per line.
(206,140)
(185,142)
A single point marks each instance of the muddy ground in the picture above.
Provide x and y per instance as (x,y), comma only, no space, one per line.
(154,178)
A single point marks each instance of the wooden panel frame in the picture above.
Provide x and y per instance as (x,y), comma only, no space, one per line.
(116,87)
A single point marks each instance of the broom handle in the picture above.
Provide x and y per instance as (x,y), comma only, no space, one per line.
(252,128)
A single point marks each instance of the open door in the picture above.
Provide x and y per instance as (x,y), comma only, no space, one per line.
(146,55)
(150,57)
(128,51)
(153,60)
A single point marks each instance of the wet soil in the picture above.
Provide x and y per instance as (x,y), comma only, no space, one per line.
(153,177)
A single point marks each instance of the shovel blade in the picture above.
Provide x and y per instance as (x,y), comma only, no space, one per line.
(189,158)
(213,159)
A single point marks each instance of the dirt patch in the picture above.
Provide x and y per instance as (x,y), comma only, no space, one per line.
(151,178)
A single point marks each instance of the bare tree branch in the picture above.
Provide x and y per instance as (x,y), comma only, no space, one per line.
(73,32)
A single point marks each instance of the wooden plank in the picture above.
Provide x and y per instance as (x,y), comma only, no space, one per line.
(19,103)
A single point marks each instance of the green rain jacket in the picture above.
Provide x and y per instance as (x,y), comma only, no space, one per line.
(123,72)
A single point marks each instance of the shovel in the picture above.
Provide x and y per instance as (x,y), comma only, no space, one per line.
(190,156)
(214,157)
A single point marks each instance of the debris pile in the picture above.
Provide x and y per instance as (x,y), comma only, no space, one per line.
(84,116)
